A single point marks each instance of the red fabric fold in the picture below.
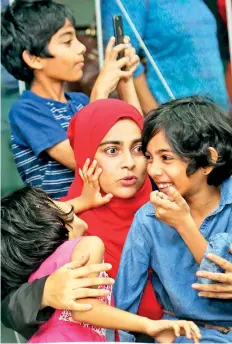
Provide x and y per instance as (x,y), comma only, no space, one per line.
(112,221)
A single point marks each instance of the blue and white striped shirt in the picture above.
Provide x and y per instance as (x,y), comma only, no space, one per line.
(38,124)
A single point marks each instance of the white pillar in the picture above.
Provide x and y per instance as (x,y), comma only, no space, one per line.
(229,26)
(99,32)
(22,85)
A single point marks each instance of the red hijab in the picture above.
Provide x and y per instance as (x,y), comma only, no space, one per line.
(112,221)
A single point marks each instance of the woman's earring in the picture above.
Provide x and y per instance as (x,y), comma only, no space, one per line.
(205,172)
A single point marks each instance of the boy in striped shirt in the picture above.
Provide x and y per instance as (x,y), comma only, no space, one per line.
(39,46)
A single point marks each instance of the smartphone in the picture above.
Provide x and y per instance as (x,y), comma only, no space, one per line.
(118,32)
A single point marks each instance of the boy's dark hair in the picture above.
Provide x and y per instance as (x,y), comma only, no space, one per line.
(192,125)
(32,228)
(29,25)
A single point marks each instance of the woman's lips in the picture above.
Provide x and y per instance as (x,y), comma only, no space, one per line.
(128,181)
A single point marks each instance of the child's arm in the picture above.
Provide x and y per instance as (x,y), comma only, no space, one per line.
(174,211)
(126,87)
(63,153)
(103,315)
(91,196)
(145,96)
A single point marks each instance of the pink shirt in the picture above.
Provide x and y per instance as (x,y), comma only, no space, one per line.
(61,327)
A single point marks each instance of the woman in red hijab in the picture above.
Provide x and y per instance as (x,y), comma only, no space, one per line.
(109,131)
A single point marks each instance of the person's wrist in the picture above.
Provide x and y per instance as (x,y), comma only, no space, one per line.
(99,92)
(85,203)
(186,223)
(45,299)
(145,325)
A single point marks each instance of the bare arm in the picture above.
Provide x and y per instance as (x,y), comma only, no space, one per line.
(176,213)
(63,153)
(105,316)
(127,92)
(193,238)
(145,96)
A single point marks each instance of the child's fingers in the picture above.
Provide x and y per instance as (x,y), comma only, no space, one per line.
(176,196)
(126,39)
(91,170)
(125,74)
(194,338)
(187,329)
(85,168)
(176,329)
(134,60)
(195,329)
(130,52)
(107,198)
(122,62)
(118,49)
(81,175)
(95,177)
(109,47)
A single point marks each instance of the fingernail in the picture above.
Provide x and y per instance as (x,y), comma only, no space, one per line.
(112,280)
(199,294)
(199,273)
(109,266)
(209,255)
(195,285)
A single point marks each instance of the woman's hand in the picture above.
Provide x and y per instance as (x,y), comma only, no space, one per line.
(171,209)
(165,331)
(222,288)
(69,283)
(91,194)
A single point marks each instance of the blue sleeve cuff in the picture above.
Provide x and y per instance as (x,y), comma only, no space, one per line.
(219,245)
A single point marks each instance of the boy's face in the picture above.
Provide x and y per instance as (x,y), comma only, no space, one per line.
(68,52)
(167,169)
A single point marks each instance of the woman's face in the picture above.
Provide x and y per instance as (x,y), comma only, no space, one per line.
(121,159)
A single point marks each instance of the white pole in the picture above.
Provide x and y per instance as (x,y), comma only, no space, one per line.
(21,84)
(99,32)
(229,26)
(143,46)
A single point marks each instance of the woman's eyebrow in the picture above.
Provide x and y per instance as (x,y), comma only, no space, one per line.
(137,141)
(114,142)
(110,142)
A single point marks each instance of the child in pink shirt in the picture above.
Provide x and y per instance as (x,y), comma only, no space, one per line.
(40,235)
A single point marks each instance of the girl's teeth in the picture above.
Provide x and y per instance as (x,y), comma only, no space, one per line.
(162,186)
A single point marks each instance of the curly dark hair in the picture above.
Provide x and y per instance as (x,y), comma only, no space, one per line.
(192,125)
(32,227)
(29,25)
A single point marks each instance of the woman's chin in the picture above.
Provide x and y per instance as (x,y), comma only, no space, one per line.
(125,193)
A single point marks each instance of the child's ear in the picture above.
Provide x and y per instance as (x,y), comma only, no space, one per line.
(214,157)
(32,61)
(213,153)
